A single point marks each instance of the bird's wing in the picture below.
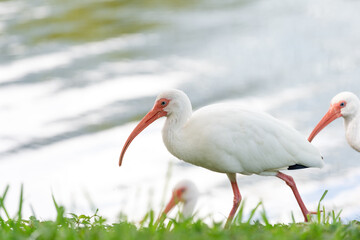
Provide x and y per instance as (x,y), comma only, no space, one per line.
(248,142)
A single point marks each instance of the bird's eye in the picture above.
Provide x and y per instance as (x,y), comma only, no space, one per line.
(342,104)
(163,103)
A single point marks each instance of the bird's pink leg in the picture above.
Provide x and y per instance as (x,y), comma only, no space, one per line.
(237,198)
(291,183)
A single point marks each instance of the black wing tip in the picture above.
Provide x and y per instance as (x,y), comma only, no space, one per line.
(296,167)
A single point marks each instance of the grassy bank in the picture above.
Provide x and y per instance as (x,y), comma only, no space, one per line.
(326,225)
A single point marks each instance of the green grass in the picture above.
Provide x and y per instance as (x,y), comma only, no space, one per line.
(325,225)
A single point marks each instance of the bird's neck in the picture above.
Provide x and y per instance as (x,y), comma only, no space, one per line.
(352,131)
(172,131)
(188,208)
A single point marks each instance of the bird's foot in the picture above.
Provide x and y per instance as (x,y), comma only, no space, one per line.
(309,213)
(313,212)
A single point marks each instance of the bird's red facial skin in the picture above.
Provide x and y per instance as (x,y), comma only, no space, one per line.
(179,194)
(162,103)
(155,113)
(333,113)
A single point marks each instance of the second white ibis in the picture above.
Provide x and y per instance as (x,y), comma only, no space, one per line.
(184,192)
(230,140)
(346,105)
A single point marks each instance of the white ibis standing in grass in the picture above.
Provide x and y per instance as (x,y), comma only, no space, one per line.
(346,105)
(227,139)
(184,192)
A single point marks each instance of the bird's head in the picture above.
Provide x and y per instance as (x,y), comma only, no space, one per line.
(183,192)
(166,104)
(344,104)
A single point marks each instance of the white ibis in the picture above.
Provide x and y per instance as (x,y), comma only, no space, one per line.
(346,105)
(184,192)
(228,139)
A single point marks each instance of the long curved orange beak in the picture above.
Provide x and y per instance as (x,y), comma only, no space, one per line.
(171,204)
(175,199)
(333,113)
(149,118)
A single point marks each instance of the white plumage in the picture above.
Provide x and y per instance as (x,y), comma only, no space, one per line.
(230,140)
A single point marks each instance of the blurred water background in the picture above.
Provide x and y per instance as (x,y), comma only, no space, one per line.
(76,76)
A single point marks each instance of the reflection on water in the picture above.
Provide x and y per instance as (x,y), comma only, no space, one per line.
(75,77)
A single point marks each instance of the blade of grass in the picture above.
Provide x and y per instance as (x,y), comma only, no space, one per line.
(293,217)
(144,219)
(55,203)
(264,217)
(337,218)
(239,216)
(32,210)
(60,212)
(21,201)
(253,212)
(2,199)
(318,208)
